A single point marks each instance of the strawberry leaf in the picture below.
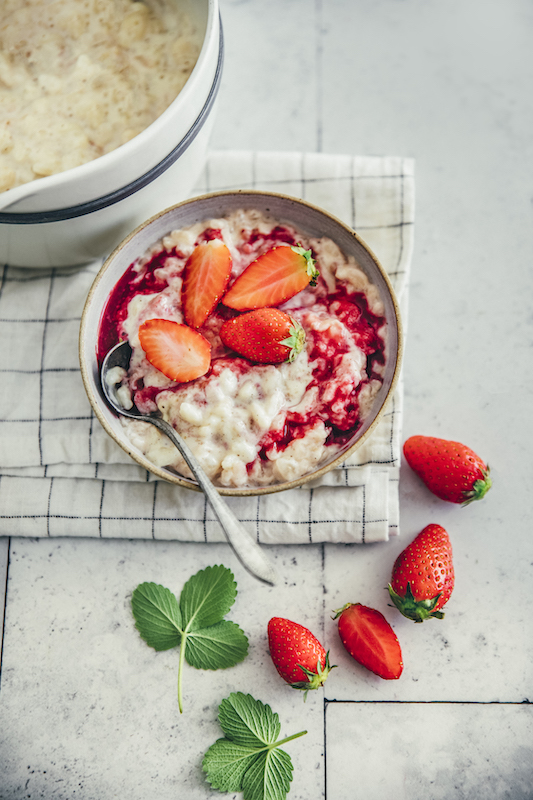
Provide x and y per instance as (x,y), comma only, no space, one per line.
(207,597)
(248,759)
(246,722)
(157,616)
(217,647)
(226,764)
(196,623)
(269,776)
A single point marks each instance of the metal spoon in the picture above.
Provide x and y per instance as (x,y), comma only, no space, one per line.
(245,547)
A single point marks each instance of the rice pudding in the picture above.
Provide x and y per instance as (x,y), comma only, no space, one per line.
(252,424)
(79,78)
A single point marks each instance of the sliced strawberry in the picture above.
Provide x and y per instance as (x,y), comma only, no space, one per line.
(370,640)
(272,278)
(206,276)
(265,335)
(179,352)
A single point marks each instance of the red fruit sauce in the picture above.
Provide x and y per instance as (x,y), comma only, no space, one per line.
(351,308)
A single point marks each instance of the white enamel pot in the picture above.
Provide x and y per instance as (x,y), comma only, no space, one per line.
(76,216)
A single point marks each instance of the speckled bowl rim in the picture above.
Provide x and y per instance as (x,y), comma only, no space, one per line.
(89,372)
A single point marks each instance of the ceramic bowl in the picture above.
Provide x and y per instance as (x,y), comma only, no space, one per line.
(78,215)
(307,218)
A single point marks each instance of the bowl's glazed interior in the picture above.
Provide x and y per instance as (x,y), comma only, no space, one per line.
(310,220)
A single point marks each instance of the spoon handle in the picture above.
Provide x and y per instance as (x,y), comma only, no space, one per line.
(247,550)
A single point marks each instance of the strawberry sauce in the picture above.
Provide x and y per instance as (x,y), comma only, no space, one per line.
(344,343)
(326,352)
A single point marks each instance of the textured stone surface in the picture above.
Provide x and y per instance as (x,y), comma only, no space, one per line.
(87,709)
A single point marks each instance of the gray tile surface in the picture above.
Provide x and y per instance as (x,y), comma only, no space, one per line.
(448,84)
(92,711)
(423,759)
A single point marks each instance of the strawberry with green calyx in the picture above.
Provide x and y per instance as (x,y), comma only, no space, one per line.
(297,655)
(206,276)
(449,469)
(370,640)
(423,575)
(272,278)
(179,352)
(266,336)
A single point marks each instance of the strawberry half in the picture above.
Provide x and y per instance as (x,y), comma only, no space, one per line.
(449,469)
(423,575)
(206,276)
(370,640)
(266,335)
(272,278)
(179,352)
(297,655)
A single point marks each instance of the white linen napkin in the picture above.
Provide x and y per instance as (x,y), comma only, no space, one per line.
(61,475)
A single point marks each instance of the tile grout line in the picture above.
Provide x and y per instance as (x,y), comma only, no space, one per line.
(524,702)
(4,600)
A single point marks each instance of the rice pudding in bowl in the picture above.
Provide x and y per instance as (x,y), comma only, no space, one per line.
(254,427)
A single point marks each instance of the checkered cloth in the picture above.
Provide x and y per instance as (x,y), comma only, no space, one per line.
(61,475)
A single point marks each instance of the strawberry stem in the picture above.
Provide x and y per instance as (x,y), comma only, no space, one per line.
(417,610)
(339,611)
(308,255)
(287,739)
(295,340)
(183,645)
(479,489)
(314,679)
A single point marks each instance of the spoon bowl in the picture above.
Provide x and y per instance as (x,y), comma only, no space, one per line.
(245,547)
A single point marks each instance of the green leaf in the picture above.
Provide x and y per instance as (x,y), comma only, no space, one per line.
(157,616)
(247,721)
(217,647)
(226,762)
(196,623)
(269,777)
(207,597)
(248,759)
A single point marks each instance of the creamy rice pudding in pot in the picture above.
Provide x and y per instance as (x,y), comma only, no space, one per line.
(79,78)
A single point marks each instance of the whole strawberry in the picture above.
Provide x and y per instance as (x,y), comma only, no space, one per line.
(266,335)
(423,576)
(370,640)
(449,469)
(297,655)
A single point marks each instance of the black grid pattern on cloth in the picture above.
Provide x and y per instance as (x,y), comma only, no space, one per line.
(60,475)
(53,514)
